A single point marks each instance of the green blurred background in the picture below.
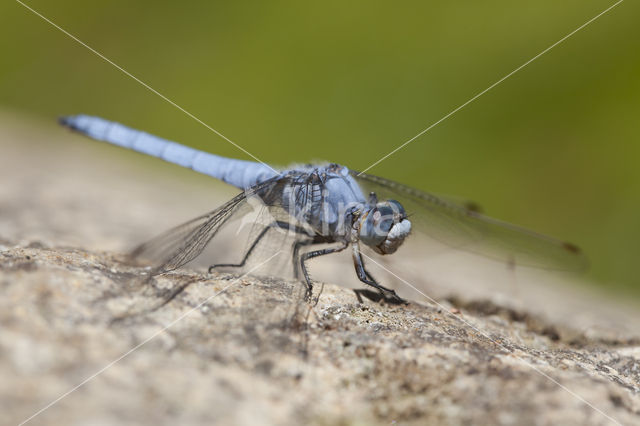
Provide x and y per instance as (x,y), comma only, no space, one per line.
(554,148)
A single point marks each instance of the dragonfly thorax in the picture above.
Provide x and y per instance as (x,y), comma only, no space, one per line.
(384,226)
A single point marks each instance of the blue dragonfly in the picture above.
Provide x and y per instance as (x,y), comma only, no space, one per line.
(327,208)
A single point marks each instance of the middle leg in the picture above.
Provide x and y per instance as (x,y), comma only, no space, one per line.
(316,253)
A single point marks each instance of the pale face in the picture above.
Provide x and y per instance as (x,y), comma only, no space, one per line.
(385,226)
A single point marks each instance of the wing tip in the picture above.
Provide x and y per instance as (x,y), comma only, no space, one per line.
(581,258)
(571,248)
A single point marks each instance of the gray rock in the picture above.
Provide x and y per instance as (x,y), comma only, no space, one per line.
(89,339)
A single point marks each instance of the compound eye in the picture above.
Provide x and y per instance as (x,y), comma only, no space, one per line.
(397,208)
(386,212)
(384,219)
(385,225)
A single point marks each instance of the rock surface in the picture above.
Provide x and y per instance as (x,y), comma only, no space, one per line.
(88,339)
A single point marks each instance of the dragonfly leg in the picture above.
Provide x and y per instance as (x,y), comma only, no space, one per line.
(376,296)
(277,224)
(246,255)
(296,256)
(386,294)
(309,255)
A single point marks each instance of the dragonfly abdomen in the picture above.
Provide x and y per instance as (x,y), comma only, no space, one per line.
(239,173)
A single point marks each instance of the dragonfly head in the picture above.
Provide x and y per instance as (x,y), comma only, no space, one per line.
(384,226)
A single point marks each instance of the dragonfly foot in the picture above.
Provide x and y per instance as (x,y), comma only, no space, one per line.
(388,296)
(308,295)
(224,265)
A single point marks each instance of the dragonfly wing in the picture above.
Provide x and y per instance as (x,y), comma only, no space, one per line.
(178,246)
(463,227)
(182,244)
(260,206)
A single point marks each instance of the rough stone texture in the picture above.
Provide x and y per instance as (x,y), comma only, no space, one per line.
(198,348)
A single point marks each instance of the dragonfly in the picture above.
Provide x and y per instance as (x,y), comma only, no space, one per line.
(325,209)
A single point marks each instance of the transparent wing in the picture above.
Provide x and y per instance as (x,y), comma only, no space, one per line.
(182,244)
(260,207)
(178,246)
(462,227)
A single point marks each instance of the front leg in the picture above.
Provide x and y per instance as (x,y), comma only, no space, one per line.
(386,294)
